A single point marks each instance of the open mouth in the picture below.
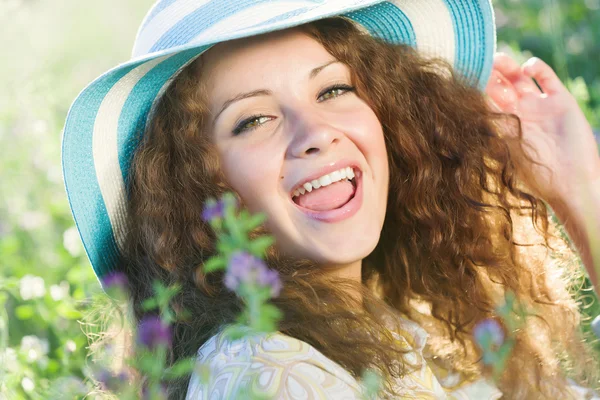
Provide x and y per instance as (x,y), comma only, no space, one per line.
(333,202)
(329,192)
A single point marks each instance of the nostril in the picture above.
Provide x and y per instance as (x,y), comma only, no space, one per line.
(312,150)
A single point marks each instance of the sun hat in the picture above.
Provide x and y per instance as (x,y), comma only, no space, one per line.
(106,120)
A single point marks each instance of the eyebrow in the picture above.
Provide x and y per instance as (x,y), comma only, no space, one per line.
(265,92)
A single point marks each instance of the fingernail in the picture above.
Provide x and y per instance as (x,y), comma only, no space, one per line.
(529,63)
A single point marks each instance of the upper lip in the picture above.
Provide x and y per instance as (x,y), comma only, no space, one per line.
(334,166)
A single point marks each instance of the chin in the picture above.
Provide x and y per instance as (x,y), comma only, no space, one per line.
(346,252)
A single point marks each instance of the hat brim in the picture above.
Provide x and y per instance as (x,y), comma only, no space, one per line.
(107,119)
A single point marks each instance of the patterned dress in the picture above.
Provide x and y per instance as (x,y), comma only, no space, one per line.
(283,367)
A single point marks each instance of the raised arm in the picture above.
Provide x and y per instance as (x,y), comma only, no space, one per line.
(580,214)
(566,172)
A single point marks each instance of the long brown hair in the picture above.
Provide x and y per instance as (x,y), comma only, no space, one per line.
(460,230)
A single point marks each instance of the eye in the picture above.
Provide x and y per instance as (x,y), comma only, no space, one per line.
(336,91)
(256,121)
(251,123)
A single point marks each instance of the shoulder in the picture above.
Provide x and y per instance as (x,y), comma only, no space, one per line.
(275,364)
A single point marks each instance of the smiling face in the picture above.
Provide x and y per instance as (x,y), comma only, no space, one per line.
(286,120)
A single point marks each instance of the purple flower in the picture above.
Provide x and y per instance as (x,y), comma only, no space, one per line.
(152,332)
(245,268)
(213,210)
(116,280)
(488,333)
(151,392)
(269,277)
(110,382)
(241,266)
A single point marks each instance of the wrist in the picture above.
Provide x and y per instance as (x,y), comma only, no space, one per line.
(581,199)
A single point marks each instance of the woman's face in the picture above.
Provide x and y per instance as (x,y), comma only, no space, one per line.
(284,116)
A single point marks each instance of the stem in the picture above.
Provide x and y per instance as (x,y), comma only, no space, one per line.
(254,303)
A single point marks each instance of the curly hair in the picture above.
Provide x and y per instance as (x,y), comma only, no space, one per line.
(460,231)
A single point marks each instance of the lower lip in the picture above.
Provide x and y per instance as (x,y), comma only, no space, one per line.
(342,213)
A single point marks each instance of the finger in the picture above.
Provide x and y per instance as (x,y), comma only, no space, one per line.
(544,75)
(502,93)
(514,73)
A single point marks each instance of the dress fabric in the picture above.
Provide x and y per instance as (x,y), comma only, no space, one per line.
(283,367)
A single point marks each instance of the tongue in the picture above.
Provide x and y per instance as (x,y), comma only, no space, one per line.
(329,197)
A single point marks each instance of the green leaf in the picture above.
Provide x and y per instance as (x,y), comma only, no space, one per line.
(158,287)
(226,245)
(255,221)
(271,311)
(244,215)
(180,368)
(203,372)
(53,366)
(149,304)
(66,310)
(235,332)
(24,312)
(172,291)
(371,383)
(260,245)
(214,264)
(148,364)
(269,317)
(229,199)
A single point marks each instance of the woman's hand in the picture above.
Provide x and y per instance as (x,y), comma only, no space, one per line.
(558,138)
(556,134)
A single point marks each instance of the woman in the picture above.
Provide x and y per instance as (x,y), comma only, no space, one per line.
(404,206)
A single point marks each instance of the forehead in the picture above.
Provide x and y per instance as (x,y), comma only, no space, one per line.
(282,51)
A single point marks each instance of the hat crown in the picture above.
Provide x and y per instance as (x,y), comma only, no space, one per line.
(173,23)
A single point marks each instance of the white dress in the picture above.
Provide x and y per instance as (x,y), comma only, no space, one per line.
(283,367)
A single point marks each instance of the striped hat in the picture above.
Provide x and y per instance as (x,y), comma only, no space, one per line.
(104,123)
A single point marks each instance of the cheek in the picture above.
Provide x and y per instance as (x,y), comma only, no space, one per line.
(370,141)
(253,172)
(368,136)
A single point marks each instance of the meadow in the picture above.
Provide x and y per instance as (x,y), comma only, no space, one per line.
(51,50)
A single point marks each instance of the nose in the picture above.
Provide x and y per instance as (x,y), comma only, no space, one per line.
(312,135)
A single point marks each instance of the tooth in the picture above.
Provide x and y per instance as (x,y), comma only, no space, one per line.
(315,184)
(325,180)
(302,190)
(308,187)
(296,194)
(343,173)
(351,174)
(335,176)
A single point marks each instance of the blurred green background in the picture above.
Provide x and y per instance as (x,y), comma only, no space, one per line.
(52,49)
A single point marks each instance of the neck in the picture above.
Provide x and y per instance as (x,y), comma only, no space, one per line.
(349,271)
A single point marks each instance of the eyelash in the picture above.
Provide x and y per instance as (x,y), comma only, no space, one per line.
(240,127)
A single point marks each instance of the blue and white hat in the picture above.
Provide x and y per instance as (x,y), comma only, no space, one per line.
(104,123)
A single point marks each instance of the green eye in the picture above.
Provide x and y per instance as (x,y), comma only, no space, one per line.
(251,123)
(332,93)
(335,91)
(255,122)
